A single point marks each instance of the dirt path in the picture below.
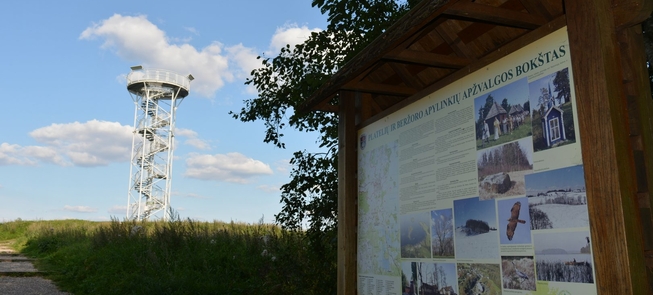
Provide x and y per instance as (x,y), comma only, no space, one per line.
(19,276)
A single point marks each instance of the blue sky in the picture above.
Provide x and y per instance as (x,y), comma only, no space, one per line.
(565,178)
(443,214)
(535,89)
(522,233)
(516,93)
(474,208)
(569,241)
(67,115)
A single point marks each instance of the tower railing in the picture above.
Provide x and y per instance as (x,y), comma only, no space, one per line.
(157,75)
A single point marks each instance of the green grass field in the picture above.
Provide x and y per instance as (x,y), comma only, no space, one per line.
(177,257)
(522,131)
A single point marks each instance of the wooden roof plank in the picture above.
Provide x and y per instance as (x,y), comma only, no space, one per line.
(429,59)
(630,12)
(406,76)
(326,106)
(418,17)
(377,88)
(496,15)
(550,27)
(448,34)
(538,7)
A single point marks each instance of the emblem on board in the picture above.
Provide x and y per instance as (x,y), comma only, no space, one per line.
(363,141)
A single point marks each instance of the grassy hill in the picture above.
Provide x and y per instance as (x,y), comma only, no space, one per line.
(177,257)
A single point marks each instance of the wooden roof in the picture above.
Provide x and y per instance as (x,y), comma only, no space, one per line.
(495,110)
(434,44)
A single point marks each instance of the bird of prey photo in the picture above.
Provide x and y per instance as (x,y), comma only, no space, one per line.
(514,218)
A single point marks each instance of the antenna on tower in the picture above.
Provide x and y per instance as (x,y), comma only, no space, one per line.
(156,95)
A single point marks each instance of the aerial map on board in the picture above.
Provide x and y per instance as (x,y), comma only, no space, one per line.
(378,239)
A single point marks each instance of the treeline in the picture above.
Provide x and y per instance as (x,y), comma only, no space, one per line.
(568,190)
(506,158)
(560,272)
(564,200)
(539,219)
(475,227)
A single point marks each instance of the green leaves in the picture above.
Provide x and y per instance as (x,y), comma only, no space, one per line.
(284,82)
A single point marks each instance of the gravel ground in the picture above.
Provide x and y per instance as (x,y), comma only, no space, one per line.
(28,286)
(10,262)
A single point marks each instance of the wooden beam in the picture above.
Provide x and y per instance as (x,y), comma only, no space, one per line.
(409,78)
(628,13)
(364,107)
(419,35)
(326,105)
(448,34)
(347,195)
(640,107)
(409,24)
(428,59)
(496,15)
(607,155)
(385,89)
(538,7)
(495,55)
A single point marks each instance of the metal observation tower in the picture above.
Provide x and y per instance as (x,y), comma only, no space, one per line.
(156,95)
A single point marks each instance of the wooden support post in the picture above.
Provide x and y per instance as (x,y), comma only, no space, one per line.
(640,107)
(363,107)
(607,154)
(347,195)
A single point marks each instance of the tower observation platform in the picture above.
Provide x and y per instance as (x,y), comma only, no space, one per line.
(137,80)
(156,95)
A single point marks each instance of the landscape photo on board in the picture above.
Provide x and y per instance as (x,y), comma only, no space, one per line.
(553,119)
(415,233)
(503,115)
(501,169)
(557,198)
(426,278)
(479,279)
(442,233)
(518,272)
(476,234)
(563,257)
(514,221)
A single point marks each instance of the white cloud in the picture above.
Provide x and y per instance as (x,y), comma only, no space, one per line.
(269,188)
(244,58)
(198,143)
(94,143)
(79,209)
(283,165)
(185,132)
(231,167)
(136,39)
(189,195)
(290,34)
(12,154)
(192,139)
(192,30)
(117,210)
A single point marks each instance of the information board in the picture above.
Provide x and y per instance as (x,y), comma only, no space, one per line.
(478,188)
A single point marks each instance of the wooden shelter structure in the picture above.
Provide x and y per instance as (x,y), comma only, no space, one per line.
(439,42)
